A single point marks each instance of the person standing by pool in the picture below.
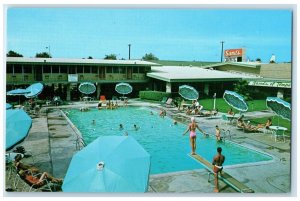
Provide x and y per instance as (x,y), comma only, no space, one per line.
(192,128)
(218,133)
(217,163)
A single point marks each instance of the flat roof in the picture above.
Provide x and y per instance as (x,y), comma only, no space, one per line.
(193,74)
(79,61)
(244,64)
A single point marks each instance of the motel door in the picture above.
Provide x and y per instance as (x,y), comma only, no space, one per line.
(38,73)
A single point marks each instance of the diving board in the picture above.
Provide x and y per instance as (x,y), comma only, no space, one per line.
(225,177)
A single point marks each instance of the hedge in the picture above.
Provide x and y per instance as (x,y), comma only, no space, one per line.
(153,95)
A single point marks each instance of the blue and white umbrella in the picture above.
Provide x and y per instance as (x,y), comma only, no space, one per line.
(18,92)
(87,88)
(18,124)
(123,88)
(35,90)
(109,164)
(280,107)
(235,100)
(188,92)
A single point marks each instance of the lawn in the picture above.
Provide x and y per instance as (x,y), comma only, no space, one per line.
(222,106)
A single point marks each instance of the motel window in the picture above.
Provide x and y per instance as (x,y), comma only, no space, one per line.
(63,69)
(94,69)
(115,69)
(72,69)
(17,68)
(87,69)
(79,69)
(109,69)
(46,69)
(135,70)
(55,69)
(142,70)
(9,68)
(27,68)
(122,70)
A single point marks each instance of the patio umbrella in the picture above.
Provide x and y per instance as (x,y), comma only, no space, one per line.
(18,124)
(235,100)
(18,92)
(123,88)
(87,88)
(109,164)
(188,92)
(8,106)
(280,107)
(35,90)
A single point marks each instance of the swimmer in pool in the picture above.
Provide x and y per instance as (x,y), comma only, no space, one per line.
(192,128)
(121,127)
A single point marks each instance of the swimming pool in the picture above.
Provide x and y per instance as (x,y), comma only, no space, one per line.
(164,141)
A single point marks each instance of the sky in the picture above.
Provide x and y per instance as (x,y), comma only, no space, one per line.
(169,34)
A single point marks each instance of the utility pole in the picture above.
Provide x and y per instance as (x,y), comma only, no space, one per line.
(222,42)
(129,45)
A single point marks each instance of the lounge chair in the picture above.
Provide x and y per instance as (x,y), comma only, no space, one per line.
(169,102)
(164,100)
(279,134)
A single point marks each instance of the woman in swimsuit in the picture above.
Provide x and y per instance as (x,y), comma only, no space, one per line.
(192,128)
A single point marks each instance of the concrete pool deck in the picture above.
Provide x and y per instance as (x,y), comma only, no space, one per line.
(52,142)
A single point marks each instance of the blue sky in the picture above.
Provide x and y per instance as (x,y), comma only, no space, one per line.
(170,34)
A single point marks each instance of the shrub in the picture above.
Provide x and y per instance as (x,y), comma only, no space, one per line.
(153,95)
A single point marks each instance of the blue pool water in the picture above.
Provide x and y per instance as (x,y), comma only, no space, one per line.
(160,138)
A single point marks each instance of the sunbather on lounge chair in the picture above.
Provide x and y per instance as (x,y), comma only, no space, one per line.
(250,128)
(211,113)
(27,172)
(266,125)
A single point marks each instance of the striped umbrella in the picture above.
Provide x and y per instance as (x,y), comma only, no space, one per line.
(188,92)
(87,88)
(123,88)
(280,107)
(235,100)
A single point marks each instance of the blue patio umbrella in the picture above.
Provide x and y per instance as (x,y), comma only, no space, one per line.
(18,92)
(18,124)
(109,164)
(87,88)
(280,107)
(35,90)
(8,106)
(235,100)
(188,92)
(123,88)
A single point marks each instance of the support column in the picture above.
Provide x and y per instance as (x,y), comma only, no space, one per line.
(68,92)
(98,89)
(206,89)
(168,87)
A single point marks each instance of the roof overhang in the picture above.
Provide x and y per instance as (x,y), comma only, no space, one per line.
(80,61)
(192,74)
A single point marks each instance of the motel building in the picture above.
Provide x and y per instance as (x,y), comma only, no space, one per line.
(61,77)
